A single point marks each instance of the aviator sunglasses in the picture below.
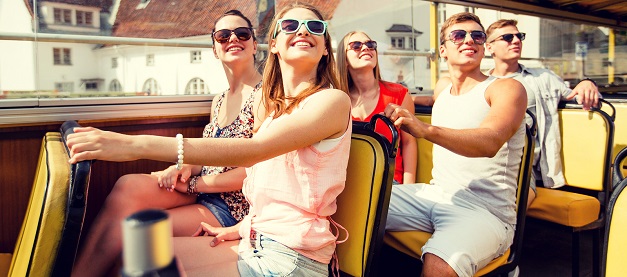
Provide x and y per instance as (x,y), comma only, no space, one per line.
(356,45)
(458,37)
(289,26)
(509,37)
(242,33)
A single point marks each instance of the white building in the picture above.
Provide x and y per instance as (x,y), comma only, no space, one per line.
(155,70)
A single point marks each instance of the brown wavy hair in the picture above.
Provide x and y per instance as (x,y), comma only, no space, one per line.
(346,81)
(274,98)
(457,18)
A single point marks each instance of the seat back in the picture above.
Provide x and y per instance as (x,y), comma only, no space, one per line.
(615,238)
(522,194)
(47,243)
(587,167)
(425,149)
(362,206)
(619,163)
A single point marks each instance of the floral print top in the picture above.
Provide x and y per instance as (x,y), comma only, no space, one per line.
(241,127)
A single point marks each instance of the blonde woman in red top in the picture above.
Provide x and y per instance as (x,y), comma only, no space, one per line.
(358,66)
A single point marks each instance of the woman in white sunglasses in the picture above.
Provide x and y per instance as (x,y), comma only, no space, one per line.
(297,161)
(357,60)
(191,193)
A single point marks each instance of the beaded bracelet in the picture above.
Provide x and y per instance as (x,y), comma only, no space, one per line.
(179,141)
(191,189)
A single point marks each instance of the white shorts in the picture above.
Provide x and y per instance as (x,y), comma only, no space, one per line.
(465,235)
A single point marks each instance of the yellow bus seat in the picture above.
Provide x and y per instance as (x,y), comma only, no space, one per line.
(48,239)
(411,242)
(362,206)
(620,130)
(587,140)
(619,161)
(425,152)
(615,237)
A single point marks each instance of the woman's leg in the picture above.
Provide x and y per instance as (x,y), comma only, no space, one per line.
(186,219)
(200,259)
(131,193)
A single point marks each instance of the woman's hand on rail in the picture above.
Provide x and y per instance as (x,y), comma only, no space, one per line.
(88,143)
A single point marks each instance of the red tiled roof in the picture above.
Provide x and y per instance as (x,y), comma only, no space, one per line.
(326,7)
(175,18)
(185,18)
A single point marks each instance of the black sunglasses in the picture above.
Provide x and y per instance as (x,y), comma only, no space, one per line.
(458,37)
(242,33)
(356,45)
(510,37)
(288,26)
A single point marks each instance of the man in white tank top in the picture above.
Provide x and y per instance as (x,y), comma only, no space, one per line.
(478,135)
(544,92)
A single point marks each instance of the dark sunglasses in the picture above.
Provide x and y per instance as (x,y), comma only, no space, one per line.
(356,45)
(289,26)
(458,37)
(242,33)
(510,37)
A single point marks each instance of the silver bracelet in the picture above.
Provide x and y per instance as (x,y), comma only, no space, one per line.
(179,142)
(191,188)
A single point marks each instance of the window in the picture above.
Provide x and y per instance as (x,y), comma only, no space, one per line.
(196,86)
(62,16)
(403,36)
(61,56)
(398,42)
(91,85)
(412,43)
(151,87)
(64,86)
(150,60)
(84,18)
(195,56)
(114,62)
(115,85)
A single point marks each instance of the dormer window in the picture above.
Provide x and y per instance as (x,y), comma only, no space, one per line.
(84,18)
(62,16)
(402,37)
(58,17)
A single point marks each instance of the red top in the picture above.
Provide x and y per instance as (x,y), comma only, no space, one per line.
(389,93)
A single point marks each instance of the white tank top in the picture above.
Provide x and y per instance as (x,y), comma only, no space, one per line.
(487,182)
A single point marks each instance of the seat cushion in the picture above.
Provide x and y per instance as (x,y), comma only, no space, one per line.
(411,242)
(565,208)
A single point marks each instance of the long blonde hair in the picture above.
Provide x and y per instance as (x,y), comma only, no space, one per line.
(346,81)
(274,98)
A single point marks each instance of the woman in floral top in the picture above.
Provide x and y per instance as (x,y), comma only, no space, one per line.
(219,201)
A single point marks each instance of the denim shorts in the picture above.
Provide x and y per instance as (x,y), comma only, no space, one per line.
(271,258)
(217,207)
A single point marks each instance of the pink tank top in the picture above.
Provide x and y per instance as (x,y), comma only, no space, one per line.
(292,196)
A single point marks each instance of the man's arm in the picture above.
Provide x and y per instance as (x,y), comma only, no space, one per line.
(507,100)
